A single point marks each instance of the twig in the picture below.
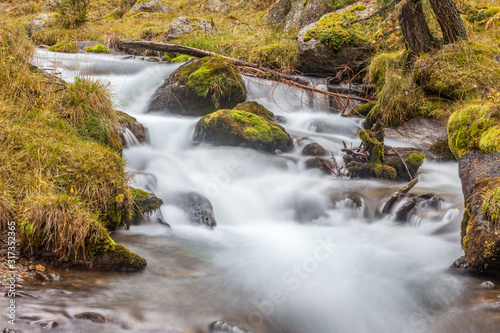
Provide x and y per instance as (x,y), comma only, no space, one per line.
(405,189)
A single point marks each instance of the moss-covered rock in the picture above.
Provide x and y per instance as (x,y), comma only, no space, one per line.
(125,122)
(480,175)
(119,258)
(256,109)
(200,87)
(65,47)
(145,203)
(363,110)
(241,128)
(475,127)
(320,163)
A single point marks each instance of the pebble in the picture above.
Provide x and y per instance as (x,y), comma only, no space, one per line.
(487,285)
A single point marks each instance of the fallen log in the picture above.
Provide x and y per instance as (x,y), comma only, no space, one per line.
(243,66)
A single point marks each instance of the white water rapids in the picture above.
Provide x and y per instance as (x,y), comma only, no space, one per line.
(289,254)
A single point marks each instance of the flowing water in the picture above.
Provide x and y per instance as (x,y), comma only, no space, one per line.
(291,251)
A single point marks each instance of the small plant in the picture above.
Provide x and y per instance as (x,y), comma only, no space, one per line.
(99,48)
(64,46)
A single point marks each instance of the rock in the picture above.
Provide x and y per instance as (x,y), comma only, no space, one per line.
(242,129)
(317,57)
(127,122)
(145,204)
(195,90)
(92,316)
(480,175)
(256,109)
(428,134)
(223,327)
(198,209)
(151,6)
(487,285)
(183,25)
(460,264)
(119,259)
(217,6)
(39,23)
(404,212)
(292,14)
(320,163)
(314,149)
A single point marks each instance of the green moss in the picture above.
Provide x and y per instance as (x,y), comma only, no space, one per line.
(474,126)
(124,260)
(385,172)
(64,46)
(358,7)
(491,203)
(363,109)
(329,31)
(415,160)
(181,58)
(144,203)
(241,128)
(374,146)
(215,77)
(99,48)
(256,109)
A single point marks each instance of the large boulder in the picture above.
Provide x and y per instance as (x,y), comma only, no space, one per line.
(242,128)
(216,6)
(325,46)
(39,23)
(151,6)
(199,88)
(185,25)
(292,14)
(480,175)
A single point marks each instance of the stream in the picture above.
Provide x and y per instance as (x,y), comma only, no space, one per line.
(292,251)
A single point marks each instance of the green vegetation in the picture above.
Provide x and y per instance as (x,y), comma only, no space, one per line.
(64,46)
(256,109)
(491,202)
(61,182)
(214,77)
(99,48)
(475,126)
(240,128)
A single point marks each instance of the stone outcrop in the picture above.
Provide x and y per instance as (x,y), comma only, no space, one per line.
(151,6)
(292,14)
(184,25)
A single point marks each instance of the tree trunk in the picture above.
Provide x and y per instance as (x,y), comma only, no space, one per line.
(414,27)
(449,20)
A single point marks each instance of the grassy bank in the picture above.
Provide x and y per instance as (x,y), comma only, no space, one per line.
(62,176)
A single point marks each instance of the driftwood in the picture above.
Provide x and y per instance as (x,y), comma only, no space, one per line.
(405,189)
(244,67)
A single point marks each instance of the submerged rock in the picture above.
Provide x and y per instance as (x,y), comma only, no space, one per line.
(198,208)
(185,25)
(242,128)
(314,149)
(487,285)
(151,6)
(320,163)
(480,175)
(92,316)
(200,87)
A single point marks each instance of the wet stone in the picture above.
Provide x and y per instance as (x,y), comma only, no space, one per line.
(487,285)
(92,316)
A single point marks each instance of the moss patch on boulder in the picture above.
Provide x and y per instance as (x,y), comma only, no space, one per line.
(65,47)
(242,128)
(99,48)
(144,203)
(200,87)
(475,127)
(256,109)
